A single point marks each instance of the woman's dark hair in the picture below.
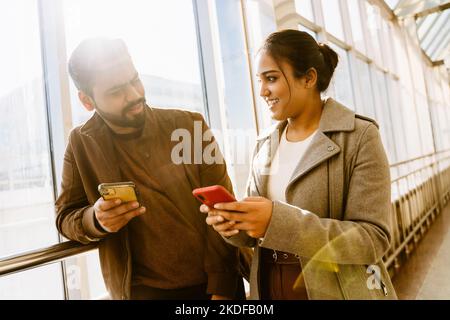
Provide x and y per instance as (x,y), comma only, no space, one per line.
(302,52)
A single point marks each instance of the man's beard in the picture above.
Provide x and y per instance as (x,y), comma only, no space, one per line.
(137,121)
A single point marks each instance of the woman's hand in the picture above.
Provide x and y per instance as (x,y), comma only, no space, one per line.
(251,215)
(223,227)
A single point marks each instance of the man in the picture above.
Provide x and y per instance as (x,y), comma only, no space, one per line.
(160,247)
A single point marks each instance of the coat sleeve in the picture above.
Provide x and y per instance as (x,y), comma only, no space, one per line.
(75,218)
(222,260)
(363,236)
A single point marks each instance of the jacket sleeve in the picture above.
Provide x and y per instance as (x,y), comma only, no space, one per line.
(222,260)
(75,218)
(363,236)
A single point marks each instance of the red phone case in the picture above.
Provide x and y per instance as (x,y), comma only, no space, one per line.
(212,195)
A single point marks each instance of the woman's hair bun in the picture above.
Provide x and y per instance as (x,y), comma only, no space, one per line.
(329,55)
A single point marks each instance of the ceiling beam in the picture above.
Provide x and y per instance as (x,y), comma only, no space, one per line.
(411,8)
(424,13)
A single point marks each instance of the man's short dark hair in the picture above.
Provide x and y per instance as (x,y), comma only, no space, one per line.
(89,58)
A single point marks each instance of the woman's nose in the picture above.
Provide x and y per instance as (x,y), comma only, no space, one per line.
(264,92)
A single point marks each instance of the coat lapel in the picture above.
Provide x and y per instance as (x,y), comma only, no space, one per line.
(321,149)
(335,117)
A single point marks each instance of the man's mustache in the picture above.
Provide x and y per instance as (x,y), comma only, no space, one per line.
(132,104)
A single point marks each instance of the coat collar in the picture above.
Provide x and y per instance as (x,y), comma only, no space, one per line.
(97,127)
(97,131)
(335,117)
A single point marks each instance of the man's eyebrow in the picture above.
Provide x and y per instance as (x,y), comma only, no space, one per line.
(119,86)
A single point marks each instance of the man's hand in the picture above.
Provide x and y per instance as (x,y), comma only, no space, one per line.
(113,216)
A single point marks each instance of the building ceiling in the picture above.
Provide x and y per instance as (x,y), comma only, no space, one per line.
(433,24)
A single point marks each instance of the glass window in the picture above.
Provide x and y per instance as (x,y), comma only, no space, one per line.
(332,18)
(355,22)
(424,123)
(167,59)
(26,188)
(373,24)
(165,54)
(389,47)
(44,283)
(410,123)
(367,107)
(308,30)
(342,80)
(382,107)
(260,23)
(304,8)
(237,92)
(395,109)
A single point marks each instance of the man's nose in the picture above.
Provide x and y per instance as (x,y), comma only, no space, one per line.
(132,93)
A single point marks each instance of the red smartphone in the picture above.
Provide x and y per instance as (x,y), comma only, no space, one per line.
(212,195)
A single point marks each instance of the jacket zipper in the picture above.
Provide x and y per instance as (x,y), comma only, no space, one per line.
(383,286)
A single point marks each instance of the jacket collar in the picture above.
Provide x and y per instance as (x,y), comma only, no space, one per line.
(335,117)
(97,127)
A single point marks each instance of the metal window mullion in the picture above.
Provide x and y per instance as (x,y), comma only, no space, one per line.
(56,92)
(209,52)
(319,19)
(249,64)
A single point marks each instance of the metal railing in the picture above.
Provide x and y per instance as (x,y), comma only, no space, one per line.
(418,196)
(42,257)
(420,190)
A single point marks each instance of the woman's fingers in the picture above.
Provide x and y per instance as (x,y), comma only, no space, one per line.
(229,233)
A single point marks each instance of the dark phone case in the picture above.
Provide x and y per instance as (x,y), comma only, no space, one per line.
(126,191)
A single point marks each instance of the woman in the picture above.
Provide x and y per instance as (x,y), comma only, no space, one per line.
(319,190)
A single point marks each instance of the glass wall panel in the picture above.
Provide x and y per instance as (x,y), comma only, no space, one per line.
(332,18)
(357,32)
(373,25)
(240,121)
(423,115)
(260,23)
(367,107)
(44,283)
(26,188)
(308,30)
(410,123)
(382,106)
(162,40)
(398,129)
(304,8)
(342,80)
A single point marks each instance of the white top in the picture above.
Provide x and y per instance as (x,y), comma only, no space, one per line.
(286,159)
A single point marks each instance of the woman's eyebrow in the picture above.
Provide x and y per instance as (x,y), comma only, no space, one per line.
(266,72)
